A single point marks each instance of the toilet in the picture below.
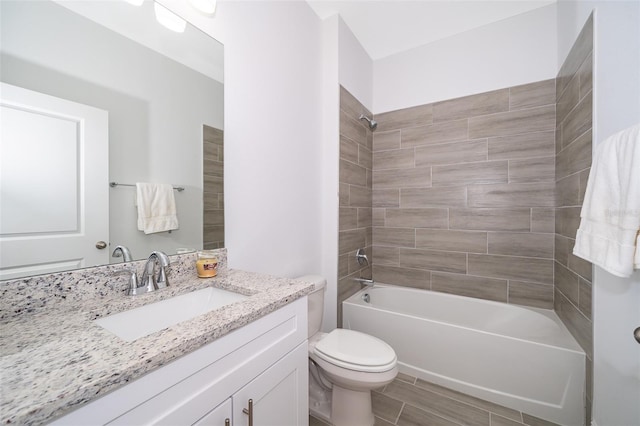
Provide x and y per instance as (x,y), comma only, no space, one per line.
(344,366)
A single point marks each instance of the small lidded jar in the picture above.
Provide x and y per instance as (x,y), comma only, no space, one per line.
(207,264)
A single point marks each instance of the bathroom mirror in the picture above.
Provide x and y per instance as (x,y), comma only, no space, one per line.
(162,92)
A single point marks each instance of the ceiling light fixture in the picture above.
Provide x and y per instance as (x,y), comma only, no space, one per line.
(169,19)
(208,7)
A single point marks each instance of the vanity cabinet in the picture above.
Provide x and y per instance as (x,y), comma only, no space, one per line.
(265,362)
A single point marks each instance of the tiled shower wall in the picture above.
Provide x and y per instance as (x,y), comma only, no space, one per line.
(213,172)
(463,195)
(355,195)
(573,275)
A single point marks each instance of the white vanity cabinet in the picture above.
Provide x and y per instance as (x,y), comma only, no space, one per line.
(264,361)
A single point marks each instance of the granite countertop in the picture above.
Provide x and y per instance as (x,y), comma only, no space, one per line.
(55,359)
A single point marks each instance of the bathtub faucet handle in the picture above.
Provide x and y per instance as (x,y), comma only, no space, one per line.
(361,257)
(366,281)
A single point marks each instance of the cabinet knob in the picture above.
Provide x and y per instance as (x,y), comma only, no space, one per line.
(249,412)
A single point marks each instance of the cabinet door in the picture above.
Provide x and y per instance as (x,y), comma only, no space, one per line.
(219,416)
(279,394)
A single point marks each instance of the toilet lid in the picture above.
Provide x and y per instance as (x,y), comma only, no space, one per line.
(356,351)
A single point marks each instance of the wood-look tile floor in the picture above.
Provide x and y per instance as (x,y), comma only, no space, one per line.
(408,401)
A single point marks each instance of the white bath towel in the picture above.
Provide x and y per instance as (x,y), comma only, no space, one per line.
(610,217)
(156,207)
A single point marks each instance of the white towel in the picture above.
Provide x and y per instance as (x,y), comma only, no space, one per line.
(610,218)
(156,207)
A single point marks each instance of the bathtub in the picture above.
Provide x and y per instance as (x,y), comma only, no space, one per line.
(521,358)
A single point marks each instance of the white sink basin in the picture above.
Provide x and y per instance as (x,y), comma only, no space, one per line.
(139,322)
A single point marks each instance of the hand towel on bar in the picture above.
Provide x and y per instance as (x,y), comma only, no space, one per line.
(156,207)
(610,217)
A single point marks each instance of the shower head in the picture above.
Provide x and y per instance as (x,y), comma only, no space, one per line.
(372,123)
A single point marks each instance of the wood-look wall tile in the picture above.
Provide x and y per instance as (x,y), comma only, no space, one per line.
(394,237)
(213,168)
(347,287)
(348,150)
(406,277)
(585,74)
(584,178)
(351,128)
(542,169)
(543,219)
(419,177)
(531,294)
(471,106)
(512,195)
(211,134)
(213,184)
(359,196)
(405,118)
(343,194)
(585,298)
(562,247)
(433,197)
(385,256)
(511,268)
(434,260)
(384,141)
(430,134)
(450,240)
(417,218)
(352,174)
(343,265)
(532,95)
(470,173)
(386,198)
(568,100)
(211,201)
(352,240)
(579,325)
(582,47)
(378,216)
(568,191)
(537,119)
(580,266)
(567,221)
(452,153)
(350,105)
(527,145)
(365,218)
(365,157)
(567,282)
(521,244)
(470,286)
(578,121)
(395,159)
(348,218)
(213,217)
(490,219)
(575,157)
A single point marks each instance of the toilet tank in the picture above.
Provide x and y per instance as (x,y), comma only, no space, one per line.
(315,302)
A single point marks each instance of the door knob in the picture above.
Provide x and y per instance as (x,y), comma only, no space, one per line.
(101,245)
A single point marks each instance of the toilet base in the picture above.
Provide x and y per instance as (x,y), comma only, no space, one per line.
(350,407)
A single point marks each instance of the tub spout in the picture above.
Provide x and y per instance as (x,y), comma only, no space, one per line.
(365,281)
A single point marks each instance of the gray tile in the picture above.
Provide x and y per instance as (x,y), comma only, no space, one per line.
(378,216)
(412,416)
(433,197)
(451,240)
(213,184)
(584,177)
(405,118)
(543,219)
(377,421)
(394,237)
(470,286)
(385,407)
(511,268)
(580,50)
(351,128)
(211,134)
(406,277)
(433,260)
(531,294)
(578,121)
(567,282)
(437,404)
(419,177)
(343,194)
(365,157)
(470,173)
(350,240)
(452,153)
(348,218)
(512,195)
(497,420)
(359,196)
(568,191)
(521,244)
(352,173)
(490,219)
(343,265)
(512,123)
(585,298)
(585,74)
(542,169)
(350,105)
(532,95)
(386,198)
(527,145)
(395,159)
(448,131)
(313,421)
(562,247)
(575,157)
(348,150)
(470,106)
(579,326)
(580,266)
(214,217)
(534,421)
(568,100)
(567,221)
(384,141)
(406,378)
(417,218)
(364,217)
(385,256)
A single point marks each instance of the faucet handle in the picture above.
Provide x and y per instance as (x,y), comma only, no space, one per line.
(162,280)
(133,280)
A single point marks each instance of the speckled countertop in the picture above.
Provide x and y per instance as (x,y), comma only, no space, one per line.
(53,358)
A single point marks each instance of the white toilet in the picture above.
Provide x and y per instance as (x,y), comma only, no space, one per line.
(344,366)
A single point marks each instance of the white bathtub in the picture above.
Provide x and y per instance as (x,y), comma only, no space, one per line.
(521,358)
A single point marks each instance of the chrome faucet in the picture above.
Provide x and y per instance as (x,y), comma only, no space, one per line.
(366,281)
(122,251)
(149,280)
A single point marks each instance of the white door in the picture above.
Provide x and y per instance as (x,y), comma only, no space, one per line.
(54,171)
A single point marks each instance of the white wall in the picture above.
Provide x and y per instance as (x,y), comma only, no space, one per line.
(514,51)
(616,301)
(273,133)
(356,67)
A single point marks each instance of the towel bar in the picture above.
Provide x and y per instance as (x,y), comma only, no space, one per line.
(114,184)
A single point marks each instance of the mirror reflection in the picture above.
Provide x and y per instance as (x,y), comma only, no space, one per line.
(78,73)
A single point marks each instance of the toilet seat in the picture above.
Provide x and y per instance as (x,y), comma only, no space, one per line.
(355,351)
